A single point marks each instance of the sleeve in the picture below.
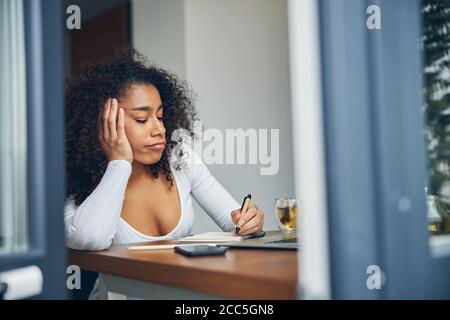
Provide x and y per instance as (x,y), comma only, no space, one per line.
(93,224)
(209,193)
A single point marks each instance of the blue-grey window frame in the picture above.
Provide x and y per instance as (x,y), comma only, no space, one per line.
(375,152)
(45,150)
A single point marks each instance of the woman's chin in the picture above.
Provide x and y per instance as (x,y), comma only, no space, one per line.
(148,159)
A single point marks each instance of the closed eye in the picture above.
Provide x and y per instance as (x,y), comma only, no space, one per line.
(144,121)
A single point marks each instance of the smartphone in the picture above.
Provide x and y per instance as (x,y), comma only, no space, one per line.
(196,251)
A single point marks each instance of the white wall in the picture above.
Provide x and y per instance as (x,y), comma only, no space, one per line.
(158,32)
(235,55)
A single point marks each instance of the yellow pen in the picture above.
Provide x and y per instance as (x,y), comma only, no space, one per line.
(244,208)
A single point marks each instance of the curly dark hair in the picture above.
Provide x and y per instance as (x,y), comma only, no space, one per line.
(86,93)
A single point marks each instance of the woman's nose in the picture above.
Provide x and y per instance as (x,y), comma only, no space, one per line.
(157,129)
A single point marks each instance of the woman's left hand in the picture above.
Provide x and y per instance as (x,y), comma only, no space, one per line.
(251,221)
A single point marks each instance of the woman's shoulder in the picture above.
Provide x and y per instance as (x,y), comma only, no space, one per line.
(186,160)
(185,157)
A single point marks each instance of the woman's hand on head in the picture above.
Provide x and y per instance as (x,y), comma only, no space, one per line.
(113,139)
(252,221)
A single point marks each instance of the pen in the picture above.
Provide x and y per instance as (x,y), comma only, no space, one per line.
(244,208)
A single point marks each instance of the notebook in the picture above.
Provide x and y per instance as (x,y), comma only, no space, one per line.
(210,238)
(219,237)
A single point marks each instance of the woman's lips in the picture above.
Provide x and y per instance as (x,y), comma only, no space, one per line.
(156,146)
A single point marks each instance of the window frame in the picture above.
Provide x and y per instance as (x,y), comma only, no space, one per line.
(45,152)
(375,152)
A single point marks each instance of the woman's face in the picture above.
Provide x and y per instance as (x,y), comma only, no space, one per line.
(144,122)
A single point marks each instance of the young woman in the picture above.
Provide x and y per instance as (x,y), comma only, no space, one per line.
(122,184)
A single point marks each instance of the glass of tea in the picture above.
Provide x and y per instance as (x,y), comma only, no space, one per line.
(286,213)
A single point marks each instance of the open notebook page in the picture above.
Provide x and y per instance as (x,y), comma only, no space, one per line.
(211,237)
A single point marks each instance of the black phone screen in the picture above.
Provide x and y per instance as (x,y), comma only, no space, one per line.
(200,250)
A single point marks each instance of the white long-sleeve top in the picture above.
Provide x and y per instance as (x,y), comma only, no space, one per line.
(96,223)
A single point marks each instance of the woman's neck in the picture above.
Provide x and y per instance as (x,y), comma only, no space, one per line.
(139,171)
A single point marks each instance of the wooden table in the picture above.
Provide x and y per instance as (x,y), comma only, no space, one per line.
(165,274)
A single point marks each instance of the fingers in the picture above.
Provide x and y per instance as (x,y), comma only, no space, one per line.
(112,136)
(112,120)
(247,216)
(121,126)
(105,117)
(251,221)
(235,216)
(255,223)
(255,229)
